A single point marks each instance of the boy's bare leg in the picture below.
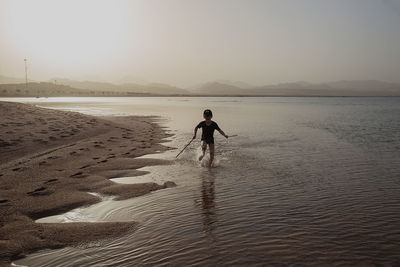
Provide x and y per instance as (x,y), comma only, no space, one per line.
(203,148)
(212,148)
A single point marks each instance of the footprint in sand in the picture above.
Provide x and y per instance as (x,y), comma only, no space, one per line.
(3,201)
(78,175)
(95,158)
(41,191)
(103,161)
(73,153)
(51,181)
(53,157)
(42,163)
(85,166)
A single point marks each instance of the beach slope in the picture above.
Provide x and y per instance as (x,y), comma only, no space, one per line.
(49,162)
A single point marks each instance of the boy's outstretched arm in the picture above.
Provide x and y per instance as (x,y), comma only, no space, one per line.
(195,132)
(222,132)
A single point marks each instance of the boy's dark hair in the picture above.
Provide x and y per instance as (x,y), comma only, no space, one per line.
(207,113)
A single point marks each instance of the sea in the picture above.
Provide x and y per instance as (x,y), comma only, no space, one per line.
(306,181)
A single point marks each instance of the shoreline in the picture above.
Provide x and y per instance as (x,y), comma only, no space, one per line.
(50,160)
(199,95)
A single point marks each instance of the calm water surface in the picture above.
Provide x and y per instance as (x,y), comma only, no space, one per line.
(307,181)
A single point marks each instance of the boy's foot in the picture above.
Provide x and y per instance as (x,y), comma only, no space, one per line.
(201,157)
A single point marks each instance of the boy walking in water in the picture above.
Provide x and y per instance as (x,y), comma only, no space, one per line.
(207,137)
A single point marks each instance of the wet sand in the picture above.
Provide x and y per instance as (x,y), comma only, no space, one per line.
(51,159)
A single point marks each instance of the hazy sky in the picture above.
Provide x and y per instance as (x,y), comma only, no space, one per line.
(187,42)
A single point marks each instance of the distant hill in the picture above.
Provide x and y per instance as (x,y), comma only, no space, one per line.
(10,80)
(131,79)
(337,88)
(239,84)
(364,85)
(65,87)
(45,89)
(217,88)
(87,85)
(37,89)
(153,88)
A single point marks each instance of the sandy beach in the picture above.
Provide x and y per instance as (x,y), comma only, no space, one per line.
(51,159)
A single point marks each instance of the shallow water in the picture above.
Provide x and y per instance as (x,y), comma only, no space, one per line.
(307,181)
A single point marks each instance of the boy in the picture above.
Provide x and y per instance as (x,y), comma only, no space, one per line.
(207,137)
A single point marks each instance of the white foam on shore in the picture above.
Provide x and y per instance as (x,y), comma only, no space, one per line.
(80,214)
(134,179)
(17,265)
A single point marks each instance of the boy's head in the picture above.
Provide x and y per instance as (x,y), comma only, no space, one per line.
(207,114)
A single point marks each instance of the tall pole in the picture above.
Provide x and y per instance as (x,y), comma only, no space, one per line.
(26,74)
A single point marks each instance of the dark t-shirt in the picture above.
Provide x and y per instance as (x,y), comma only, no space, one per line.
(208,130)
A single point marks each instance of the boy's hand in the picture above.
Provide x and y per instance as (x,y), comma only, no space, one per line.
(226,136)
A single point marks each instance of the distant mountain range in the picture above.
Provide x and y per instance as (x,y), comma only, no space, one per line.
(337,88)
(152,88)
(9,86)
(10,80)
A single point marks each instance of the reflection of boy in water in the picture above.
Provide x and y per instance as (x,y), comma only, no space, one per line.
(208,126)
(208,205)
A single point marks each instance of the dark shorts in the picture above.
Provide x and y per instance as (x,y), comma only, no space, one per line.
(209,140)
